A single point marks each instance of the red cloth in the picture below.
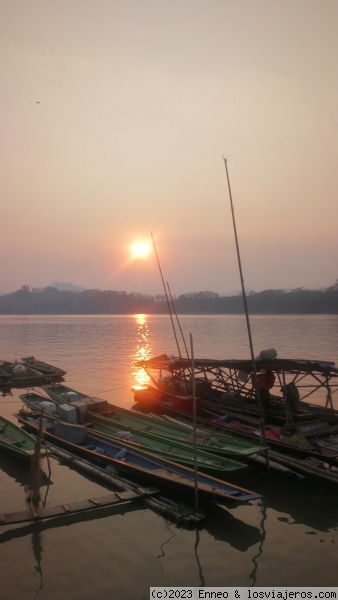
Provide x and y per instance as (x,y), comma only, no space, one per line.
(266,380)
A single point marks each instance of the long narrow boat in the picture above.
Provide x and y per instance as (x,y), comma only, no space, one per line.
(324,448)
(321,443)
(317,460)
(181,452)
(225,445)
(15,441)
(60,394)
(50,371)
(132,460)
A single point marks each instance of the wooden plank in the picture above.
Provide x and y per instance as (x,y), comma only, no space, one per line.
(34,514)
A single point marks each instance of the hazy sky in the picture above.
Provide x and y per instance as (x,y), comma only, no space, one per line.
(115,115)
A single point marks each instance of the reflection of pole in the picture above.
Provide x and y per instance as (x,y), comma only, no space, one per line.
(37,549)
(178,323)
(254,371)
(253,574)
(166,295)
(200,572)
(194,419)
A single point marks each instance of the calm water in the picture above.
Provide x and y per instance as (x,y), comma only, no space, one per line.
(288,539)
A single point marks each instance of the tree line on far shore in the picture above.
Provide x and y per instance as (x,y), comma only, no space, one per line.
(51,300)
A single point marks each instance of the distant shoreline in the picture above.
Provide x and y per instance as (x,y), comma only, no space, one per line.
(51,301)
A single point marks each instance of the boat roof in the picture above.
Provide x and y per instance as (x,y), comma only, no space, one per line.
(172,363)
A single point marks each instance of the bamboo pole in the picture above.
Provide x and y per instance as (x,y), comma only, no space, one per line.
(254,370)
(166,295)
(178,323)
(194,421)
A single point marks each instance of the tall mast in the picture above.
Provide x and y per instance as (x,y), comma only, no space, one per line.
(177,319)
(254,370)
(166,295)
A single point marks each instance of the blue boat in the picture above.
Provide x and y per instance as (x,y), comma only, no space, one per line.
(129,458)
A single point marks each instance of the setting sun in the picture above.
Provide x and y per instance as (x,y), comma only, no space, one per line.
(140,250)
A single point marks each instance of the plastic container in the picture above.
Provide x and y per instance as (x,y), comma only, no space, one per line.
(268,354)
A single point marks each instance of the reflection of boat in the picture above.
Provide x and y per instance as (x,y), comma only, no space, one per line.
(15,441)
(49,371)
(224,526)
(181,452)
(131,459)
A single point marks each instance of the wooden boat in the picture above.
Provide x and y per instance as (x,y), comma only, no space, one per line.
(60,394)
(129,458)
(317,445)
(225,445)
(5,378)
(18,374)
(50,371)
(15,441)
(181,452)
(316,460)
(299,446)
(227,385)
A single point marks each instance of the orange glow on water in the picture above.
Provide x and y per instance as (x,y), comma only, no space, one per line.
(142,351)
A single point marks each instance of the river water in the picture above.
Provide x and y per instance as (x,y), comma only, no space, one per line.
(288,539)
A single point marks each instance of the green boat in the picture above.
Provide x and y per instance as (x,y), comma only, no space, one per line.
(15,441)
(180,452)
(211,440)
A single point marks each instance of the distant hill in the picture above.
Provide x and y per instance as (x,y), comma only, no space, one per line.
(52,300)
(67,287)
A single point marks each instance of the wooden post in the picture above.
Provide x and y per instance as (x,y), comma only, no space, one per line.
(194,419)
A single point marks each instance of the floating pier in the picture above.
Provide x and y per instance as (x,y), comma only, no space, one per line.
(48,512)
(127,492)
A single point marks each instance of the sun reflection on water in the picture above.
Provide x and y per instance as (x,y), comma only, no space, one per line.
(142,351)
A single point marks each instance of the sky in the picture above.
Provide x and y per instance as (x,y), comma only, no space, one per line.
(116,116)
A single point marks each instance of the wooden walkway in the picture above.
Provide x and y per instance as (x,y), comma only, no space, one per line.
(127,493)
(112,499)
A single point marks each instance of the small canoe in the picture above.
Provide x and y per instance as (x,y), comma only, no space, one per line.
(133,460)
(166,448)
(49,371)
(214,442)
(15,441)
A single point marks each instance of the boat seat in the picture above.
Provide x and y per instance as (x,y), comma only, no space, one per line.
(5,438)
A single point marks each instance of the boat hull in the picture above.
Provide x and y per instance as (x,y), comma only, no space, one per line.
(140,464)
(15,441)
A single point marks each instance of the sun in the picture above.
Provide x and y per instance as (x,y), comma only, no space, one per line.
(140,250)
